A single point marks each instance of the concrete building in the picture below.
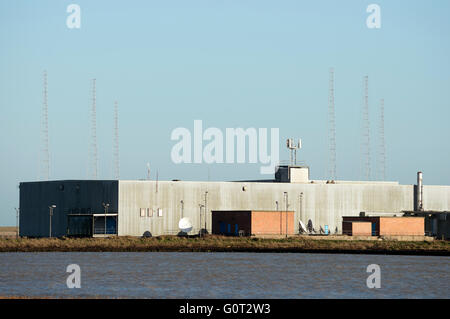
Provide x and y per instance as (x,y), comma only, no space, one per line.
(135,208)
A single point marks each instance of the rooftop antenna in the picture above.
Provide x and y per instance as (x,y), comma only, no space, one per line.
(382,150)
(148,171)
(365,145)
(292,146)
(116,141)
(94,162)
(45,165)
(157,180)
(331,129)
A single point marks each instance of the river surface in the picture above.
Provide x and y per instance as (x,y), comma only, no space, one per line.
(222,275)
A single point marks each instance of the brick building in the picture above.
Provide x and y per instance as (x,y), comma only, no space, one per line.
(383,226)
(250,222)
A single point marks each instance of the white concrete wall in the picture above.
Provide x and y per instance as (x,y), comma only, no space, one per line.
(436,197)
(299,174)
(324,204)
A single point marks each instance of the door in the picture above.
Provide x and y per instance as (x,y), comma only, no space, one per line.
(374,229)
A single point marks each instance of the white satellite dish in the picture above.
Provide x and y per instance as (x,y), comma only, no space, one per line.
(185,225)
(302,227)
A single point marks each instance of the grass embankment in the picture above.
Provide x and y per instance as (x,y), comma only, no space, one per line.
(213,243)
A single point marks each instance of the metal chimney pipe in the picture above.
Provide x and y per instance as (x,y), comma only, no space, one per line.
(419,192)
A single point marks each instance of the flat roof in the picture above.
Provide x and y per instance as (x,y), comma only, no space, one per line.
(362,217)
(253,210)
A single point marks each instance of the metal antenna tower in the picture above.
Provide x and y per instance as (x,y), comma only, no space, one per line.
(366,131)
(116,141)
(293,147)
(382,149)
(331,129)
(45,164)
(94,162)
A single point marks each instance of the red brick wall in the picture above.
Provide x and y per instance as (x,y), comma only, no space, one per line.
(272,222)
(412,226)
(361,228)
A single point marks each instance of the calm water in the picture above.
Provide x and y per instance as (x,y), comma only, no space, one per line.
(223,275)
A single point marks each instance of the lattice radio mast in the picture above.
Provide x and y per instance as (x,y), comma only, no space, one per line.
(382,149)
(366,131)
(94,160)
(45,164)
(116,141)
(331,129)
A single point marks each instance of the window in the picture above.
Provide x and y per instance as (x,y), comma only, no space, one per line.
(143,211)
(159,212)
(149,212)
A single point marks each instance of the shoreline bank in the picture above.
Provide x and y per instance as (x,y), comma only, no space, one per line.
(212,243)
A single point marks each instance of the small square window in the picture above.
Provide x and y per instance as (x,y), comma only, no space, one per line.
(149,212)
(143,211)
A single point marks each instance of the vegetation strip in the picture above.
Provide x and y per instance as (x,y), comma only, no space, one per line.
(213,243)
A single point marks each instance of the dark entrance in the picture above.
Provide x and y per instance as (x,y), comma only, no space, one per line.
(88,225)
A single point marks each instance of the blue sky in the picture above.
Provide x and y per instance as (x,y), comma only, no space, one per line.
(230,64)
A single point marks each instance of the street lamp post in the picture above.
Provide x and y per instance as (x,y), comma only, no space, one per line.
(301,205)
(286,200)
(200,216)
(17,221)
(206,207)
(182,207)
(105,206)
(51,208)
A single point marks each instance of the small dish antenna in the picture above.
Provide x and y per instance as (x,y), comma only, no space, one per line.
(148,171)
(302,227)
(185,225)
